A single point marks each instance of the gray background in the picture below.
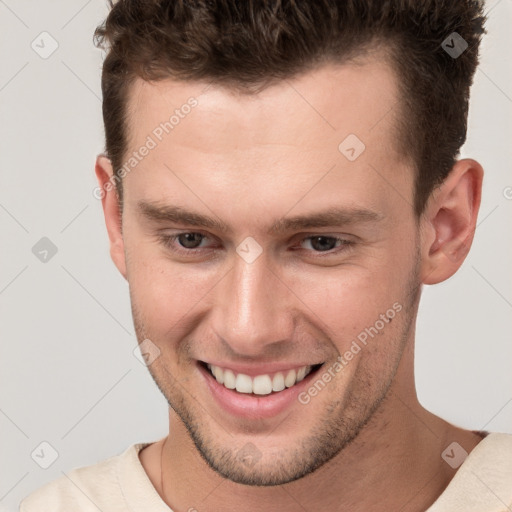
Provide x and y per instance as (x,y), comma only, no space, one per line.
(68,373)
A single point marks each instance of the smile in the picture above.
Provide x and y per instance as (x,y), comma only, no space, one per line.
(264,384)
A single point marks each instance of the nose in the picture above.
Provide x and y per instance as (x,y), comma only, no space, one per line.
(253,308)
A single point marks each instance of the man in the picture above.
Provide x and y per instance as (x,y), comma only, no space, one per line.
(280,180)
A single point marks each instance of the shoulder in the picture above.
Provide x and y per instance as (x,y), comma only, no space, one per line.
(500,439)
(484,480)
(490,462)
(86,488)
(494,450)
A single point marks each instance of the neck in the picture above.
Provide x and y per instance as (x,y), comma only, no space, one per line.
(393,464)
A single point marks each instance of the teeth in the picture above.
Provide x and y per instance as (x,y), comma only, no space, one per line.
(301,374)
(261,384)
(243,383)
(219,374)
(229,379)
(290,379)
(278,382)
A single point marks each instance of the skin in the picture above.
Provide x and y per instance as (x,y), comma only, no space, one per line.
(364,442)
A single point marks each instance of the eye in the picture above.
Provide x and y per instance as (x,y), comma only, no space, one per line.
(189,240)
(189,243)
(185,242)
(326,244)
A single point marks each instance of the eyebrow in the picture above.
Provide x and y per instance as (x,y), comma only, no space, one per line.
(325,218)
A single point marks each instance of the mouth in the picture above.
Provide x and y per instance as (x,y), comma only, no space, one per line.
(259,385)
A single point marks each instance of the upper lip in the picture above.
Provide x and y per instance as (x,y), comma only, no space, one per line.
(252,369)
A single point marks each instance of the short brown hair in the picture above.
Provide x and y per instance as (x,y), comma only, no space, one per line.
(249,44)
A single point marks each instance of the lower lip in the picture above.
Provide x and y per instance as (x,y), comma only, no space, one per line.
(245,405)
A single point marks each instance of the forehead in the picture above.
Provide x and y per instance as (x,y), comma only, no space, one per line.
(351,98)
(286,136)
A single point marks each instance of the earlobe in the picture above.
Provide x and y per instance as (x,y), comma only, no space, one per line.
(111,211)
(449,222)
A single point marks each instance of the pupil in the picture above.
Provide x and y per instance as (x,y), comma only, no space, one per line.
(330,243)
(189,240)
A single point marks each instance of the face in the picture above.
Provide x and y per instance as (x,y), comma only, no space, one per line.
(261,237)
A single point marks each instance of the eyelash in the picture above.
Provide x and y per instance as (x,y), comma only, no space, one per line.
(168,240)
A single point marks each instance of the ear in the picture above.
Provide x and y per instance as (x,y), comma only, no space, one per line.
(449,221)
(111,210)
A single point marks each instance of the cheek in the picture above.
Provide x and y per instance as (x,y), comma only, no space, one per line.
(351,296)
(165,292)
(362,309)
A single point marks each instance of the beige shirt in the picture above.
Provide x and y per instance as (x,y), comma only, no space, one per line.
(483,483)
